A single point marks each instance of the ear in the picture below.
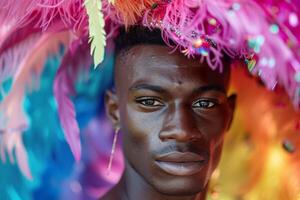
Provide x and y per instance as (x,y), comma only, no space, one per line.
(112,107)
(232,103)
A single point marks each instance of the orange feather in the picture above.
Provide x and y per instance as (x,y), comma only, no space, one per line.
(131,10)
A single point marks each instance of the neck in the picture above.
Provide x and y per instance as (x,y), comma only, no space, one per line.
(132,186)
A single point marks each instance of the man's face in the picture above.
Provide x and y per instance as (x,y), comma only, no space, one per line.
(173,112)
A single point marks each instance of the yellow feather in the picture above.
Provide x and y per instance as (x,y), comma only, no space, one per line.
(111,2)
(97,33)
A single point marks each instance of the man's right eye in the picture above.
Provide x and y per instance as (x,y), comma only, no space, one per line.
(150,102)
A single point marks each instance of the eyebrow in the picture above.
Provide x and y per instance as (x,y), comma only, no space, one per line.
(159,89)
(209,88)
(155,88)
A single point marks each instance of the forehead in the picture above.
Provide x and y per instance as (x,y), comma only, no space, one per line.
(155,64)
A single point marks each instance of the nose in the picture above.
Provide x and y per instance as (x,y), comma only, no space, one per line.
(180,125)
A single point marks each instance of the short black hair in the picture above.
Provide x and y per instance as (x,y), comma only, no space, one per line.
(135,35)
(138,34)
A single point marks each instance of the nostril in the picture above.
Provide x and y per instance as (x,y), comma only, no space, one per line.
(179,135)
(194,138)
(172,135)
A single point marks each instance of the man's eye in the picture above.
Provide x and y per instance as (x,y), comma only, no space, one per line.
(151,102)
(204,104)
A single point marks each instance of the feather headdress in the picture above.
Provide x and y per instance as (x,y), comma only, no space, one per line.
(264,34)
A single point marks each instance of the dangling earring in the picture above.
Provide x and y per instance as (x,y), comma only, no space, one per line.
(113,149)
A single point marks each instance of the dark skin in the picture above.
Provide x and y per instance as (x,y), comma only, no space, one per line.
(166,103)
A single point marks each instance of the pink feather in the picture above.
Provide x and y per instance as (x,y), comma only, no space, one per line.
(76,58)
(11,58)
(14,45)
(43,13)
(13,119)
(237,26)
(13,141)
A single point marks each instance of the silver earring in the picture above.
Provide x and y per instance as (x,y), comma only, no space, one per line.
(113,149)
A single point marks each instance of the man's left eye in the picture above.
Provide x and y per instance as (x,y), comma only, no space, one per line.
(204,104)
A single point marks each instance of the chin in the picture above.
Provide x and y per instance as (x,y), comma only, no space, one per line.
(181,186)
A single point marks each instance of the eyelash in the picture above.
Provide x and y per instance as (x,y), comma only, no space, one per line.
(209,104)
(142,101)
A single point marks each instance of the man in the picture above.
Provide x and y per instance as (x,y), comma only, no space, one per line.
(172,112)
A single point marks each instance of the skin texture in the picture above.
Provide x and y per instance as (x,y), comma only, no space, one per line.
(167,103)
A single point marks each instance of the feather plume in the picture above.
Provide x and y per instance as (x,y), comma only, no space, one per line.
(73,61)
(111,2)
(97,33)
(13,119)
(131,10)
(13,140)
(45,14)
(11,59)
(14,45)
(67,113)
(226,23)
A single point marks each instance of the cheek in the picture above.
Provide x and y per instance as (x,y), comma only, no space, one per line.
(140,130)
(215,156)
(214,124)
(214,127)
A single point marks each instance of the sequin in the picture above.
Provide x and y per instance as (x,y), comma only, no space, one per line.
(271,63)
(293,19)
(201,46)
(260,39)
(236,6)
(263,62)
(203,51)
(198,43)
(288,146)
(250,63)
(154,5)
(256,43)
(274,28)
(212,21)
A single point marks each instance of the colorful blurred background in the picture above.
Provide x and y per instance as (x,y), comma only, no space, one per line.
(261,156)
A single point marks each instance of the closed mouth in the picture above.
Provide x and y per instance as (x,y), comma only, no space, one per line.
(181,164)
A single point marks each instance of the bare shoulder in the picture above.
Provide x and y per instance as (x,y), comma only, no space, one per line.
(108,196)
(112,194)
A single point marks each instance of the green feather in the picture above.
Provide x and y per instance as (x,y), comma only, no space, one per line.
(97,33)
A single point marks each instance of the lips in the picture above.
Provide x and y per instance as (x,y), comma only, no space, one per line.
(181,164)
